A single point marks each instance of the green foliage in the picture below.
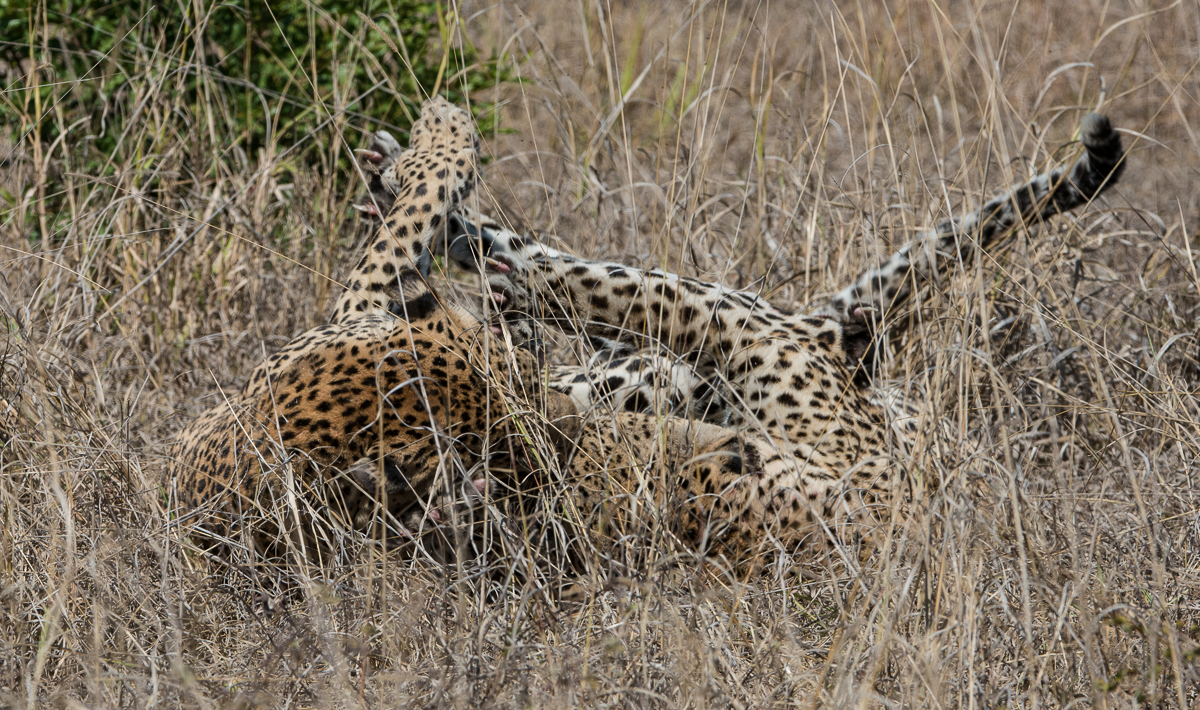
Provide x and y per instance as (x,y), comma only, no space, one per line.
(263,73)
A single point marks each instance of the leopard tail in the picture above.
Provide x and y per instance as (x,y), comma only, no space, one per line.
(882,288)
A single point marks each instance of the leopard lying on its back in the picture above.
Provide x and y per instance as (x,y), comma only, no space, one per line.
(402,388)
(623,378)
(809,432)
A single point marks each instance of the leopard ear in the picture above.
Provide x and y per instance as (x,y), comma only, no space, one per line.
(859,342)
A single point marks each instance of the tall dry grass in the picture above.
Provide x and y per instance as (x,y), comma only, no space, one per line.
(1054,560)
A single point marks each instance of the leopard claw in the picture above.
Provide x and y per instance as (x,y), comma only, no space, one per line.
(401,537)
(372,155)
(497,265)
(862,313)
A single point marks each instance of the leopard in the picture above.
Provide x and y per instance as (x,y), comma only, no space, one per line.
(802,427)
(619,375)
(354,420)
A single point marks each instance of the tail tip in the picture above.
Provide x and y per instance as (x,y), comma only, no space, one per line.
(1096,130)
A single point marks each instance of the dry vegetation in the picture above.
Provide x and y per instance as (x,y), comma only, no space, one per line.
(781,146)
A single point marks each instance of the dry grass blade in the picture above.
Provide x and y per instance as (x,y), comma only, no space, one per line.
(1054,558)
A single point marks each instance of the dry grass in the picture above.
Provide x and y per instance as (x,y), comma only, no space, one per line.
(777,146)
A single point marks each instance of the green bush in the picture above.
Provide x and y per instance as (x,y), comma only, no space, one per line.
(225,76)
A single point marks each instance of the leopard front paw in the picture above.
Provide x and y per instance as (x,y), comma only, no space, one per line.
(442,147)
(444,126)
(378,163)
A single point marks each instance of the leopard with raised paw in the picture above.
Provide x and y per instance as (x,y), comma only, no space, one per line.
(801,441)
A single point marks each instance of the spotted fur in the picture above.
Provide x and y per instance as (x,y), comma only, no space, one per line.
(1051,193)
(806,435)
(664,379)
(372,406)
(364,420)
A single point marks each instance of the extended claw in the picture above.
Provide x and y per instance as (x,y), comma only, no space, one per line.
(497,264)
(499,298)
(862,313)
(368,208)
(372,155)
(434,514)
